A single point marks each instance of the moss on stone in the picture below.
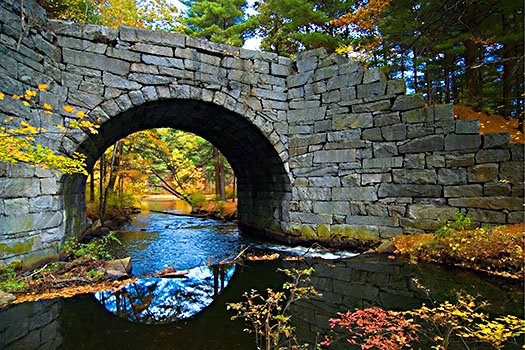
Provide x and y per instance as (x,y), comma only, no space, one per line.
(355,233)
(18,248)
(323,231)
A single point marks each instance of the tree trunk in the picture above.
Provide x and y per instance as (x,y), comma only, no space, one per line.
(415,63)
(220,186)
(92,186)
(101,185)
(473,86)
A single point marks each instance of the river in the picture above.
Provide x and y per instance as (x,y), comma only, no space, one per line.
(190,313)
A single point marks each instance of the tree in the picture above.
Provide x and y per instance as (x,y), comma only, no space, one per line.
(222,21)
(290,26)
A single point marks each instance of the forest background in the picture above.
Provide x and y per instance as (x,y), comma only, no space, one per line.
(466,52)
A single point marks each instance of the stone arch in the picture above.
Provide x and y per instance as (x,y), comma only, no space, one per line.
(263,183)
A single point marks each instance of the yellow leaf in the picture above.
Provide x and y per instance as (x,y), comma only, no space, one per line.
(69,108)
(2,95)
(47,106)
(26,103)
(8,119)
(42,87)
(16,97)
(61,127)
(81,114)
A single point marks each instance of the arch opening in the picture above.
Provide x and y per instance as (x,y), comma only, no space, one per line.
(263,185)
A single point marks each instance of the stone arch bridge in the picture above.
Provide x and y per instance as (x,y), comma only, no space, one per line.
(324,149)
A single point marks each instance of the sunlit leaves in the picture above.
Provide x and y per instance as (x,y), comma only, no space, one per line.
(18,137)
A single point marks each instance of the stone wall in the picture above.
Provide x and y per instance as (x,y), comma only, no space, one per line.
(324,150)
(31,326)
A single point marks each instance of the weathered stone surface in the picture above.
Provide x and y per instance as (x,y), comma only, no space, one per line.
(492,203)
(483,173)
(492,155)
(90,60)
(496,140)
(496,189)
(452,176)
(116,81)
(383,163)
(351,121)
(459,160)
(424,144)
(405,103)
(365,193)
(463,191)
(467,126)
(430,212)
(335,156)
(423,176)
(409,190)
(512,171)
(396,132)
(517,151)
(455,142)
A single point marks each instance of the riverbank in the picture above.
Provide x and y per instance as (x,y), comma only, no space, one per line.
(495,251)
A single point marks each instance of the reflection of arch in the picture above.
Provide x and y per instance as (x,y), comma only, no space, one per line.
(263,183)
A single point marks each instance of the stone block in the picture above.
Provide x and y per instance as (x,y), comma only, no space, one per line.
(496,189)
(383,163)
(418,115)
(364,193)
(452,176)
(443,113)
(496,140)
(517,151)
(385,149)
(412,176)
(396,87)
(409,190)
(16,206)
(430,212)
(118,82)
(415,161)
(19,187)
(397,132)
(386,119)
(91,60)
(492,155)
(335,156)
(512,171)
(424,144)
(327,181)
(161,38)
(49,185)
(351,121)
(483,173)
(491,203)
(153,49)
(373,134)
(463,191)
(459,160)
(372,90)
(332,207)
(370,220)
(312,193)
(515,217)
(408,102)
(454,142)
(163,61)
(467,126)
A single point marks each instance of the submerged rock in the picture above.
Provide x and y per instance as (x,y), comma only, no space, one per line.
(117,269)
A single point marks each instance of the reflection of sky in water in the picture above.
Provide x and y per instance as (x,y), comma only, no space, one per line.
(164,300)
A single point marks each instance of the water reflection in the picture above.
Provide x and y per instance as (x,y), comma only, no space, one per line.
(165,300)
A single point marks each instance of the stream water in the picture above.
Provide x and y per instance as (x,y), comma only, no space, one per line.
(190,313)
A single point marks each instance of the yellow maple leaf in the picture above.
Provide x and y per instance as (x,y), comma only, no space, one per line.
(47,106)
(81,114)
(42,87)
(2,95)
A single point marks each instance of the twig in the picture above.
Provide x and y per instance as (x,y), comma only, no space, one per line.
(36,272)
